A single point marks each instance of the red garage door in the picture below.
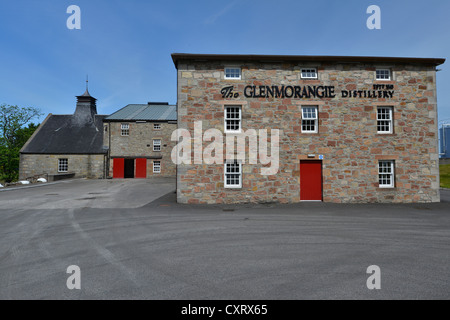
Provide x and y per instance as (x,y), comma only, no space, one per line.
(118,167)
(141,168)
(311,180)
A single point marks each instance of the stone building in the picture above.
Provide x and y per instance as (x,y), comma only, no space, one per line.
(66,145)
(351,129)
(138,140)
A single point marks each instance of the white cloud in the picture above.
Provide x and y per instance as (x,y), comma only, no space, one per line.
(211,19)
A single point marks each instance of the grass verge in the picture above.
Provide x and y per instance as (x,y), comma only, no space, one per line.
(444,172)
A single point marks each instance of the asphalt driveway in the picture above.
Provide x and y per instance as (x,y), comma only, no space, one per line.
(134,242)
(445,195)
(82,193)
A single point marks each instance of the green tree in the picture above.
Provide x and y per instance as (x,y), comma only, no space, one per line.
(13,135)
(23,134)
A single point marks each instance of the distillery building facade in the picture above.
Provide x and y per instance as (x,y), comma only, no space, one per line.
(137,138)
(350,129)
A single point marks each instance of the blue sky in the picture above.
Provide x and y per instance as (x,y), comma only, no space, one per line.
(125,46)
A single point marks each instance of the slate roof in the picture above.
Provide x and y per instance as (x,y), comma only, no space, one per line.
(145,112)
(67,134)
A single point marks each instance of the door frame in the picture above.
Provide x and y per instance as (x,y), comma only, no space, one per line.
(321,179)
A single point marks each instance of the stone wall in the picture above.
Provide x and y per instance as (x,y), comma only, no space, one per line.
(347,135)
(84,166)
(139,144)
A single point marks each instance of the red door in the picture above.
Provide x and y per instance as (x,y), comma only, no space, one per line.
(118,168)
(311,180)
(141,168)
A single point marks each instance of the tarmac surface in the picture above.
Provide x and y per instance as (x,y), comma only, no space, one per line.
(131,240)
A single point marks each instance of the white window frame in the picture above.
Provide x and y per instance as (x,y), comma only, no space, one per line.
(124,129)
(156,145)
(239,107)
(63,165)
(383,79)
(157,126)
(390,172)
(225,181)
(232,77)
(389,121)
(315,119)
(157,167)
(309,73)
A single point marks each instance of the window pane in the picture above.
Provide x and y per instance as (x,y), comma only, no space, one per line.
(384,119)
(157,145)
(156,166)
(309,113)
(386,173)
(309,119)
(63,165)
(309,73)
(383,74)
(233,173)
(232,118)
(233,73)
(309,125)
(125,129)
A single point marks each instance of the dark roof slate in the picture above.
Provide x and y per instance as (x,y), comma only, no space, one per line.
(66,134)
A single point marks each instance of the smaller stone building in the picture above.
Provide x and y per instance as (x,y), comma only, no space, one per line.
(138,140)
(66,145)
